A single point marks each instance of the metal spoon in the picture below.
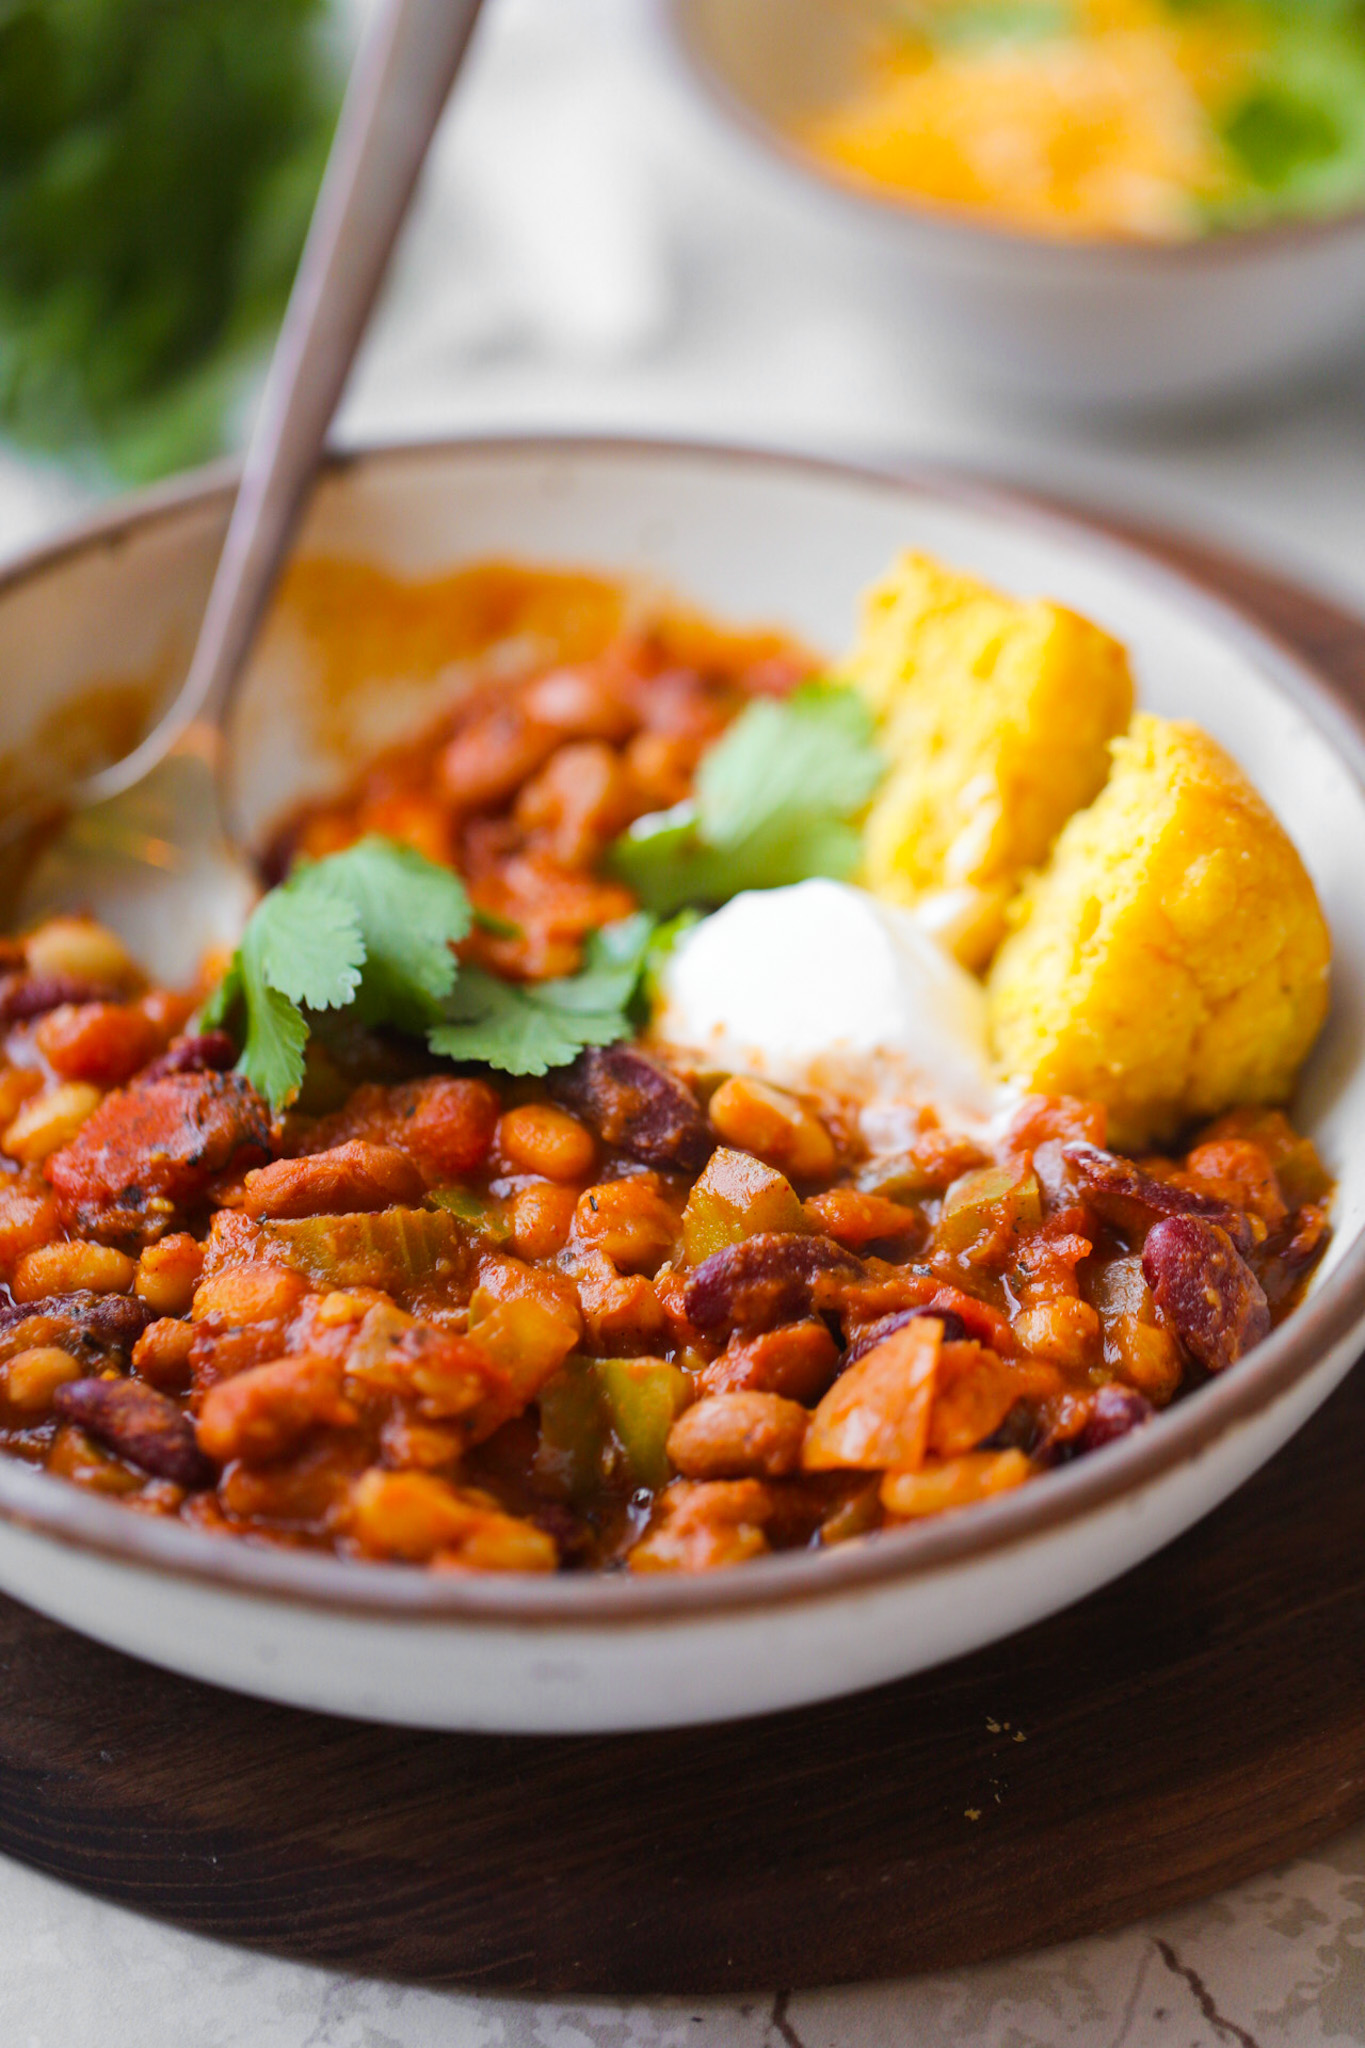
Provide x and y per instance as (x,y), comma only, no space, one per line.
(142,844)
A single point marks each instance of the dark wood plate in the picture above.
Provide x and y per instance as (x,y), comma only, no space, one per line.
(1197,1721)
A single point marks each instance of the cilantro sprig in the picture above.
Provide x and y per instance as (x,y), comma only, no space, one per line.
(529,1027)
(371,931)
(776,802)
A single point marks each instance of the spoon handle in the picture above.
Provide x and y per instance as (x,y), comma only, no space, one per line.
(398,86)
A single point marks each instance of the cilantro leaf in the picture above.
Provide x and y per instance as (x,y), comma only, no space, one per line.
(527,1028)
(369,929)
(512,1026)
(306,941)
(775,803)
(302,945)
(276,1034)
(409,913)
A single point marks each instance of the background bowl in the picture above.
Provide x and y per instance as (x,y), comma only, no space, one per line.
(1100,325)
(750,538)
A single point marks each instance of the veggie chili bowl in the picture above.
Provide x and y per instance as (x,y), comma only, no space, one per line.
(682,1101)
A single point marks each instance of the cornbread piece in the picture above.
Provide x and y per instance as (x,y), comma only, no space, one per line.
(996,714)
(1171,959)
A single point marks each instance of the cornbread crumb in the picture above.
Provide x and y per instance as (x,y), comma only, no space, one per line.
(1171,960)
(996,714)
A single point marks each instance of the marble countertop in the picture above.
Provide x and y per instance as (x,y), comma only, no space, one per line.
(587,254)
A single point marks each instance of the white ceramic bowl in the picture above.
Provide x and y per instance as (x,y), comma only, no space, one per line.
(1099,325)
(755,538)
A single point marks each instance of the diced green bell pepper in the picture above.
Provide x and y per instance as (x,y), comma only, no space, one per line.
(642,1398)
(736,1197)
(604,1418)
(392,1249)
(484,1218)
(573,1431)
(991,1201)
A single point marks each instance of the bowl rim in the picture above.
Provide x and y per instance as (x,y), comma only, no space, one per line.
(53,1510)
(942,224)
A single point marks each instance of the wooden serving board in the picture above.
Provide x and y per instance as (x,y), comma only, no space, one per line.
(1194,1723)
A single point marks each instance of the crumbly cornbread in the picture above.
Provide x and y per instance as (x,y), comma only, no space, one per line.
(996,714)
(1171,960)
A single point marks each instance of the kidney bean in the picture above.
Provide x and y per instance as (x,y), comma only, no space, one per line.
(954,1330)
(207,1052)
(1115,1412)
(1291,1251)
(1204,1290)
(1132,1200)
(144,1427)
(637,1105)
(106,1322)
(765,1280)
(32,995)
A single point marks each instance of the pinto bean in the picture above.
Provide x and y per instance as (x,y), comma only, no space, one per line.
(49,1121)
(538,1138)
(28,1217)
(582,797)
(80,947)
(577,702)
(635,1104)
(161,1354)
(415,1516)
(858,1220)
(629,1221)
(775,1277)
(488,761)
(101,1042)
(32,1377)
(264,1412)
(351,1178)
(139,1424)
(705,1525)
(149,1149)
(208,1052)
(1204,1290)
(71,1266)
(777,1128)
(739,1436)
(1133,1200)
(797,1360)
(446,1122)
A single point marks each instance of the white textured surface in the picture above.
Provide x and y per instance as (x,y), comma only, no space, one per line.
(1279,1961)
(708,309)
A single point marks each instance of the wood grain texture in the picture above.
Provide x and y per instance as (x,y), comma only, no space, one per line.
(1194,1723)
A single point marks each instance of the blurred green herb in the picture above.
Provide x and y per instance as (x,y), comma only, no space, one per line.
(158,164)
(1296,134)
(776,801)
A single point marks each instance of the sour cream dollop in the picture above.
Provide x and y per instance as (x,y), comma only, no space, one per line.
(823,981)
